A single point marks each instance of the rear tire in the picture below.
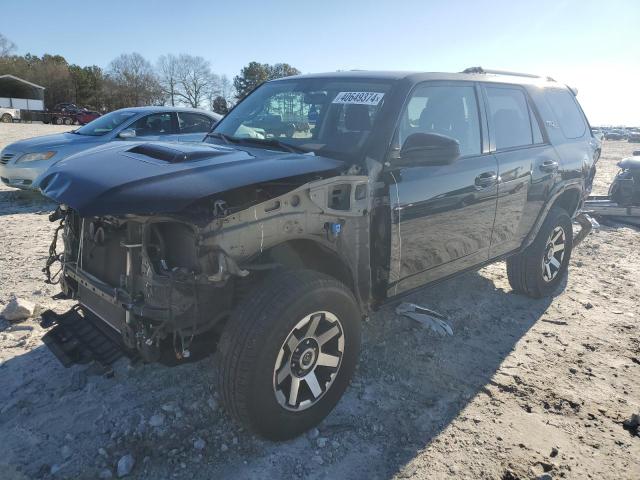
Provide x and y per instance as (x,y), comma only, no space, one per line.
(6,118)
(542,266)
(68,121)
(299,327)
(57,120)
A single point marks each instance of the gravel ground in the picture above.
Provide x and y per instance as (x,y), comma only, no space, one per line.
(523,389)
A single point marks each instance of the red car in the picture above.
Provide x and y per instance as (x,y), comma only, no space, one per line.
(85,116)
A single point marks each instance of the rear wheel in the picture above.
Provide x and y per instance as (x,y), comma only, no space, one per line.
(288,353)
(57,120)
(6,118)
(540,268)
(68,121)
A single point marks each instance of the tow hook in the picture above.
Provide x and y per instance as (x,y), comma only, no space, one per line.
(587,223)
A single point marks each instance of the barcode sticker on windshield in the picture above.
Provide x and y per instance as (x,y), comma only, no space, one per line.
(359,98)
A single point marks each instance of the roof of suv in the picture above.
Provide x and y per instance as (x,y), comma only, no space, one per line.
(486,76)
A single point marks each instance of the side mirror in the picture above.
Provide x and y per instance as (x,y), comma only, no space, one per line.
(429,149)
(127,133)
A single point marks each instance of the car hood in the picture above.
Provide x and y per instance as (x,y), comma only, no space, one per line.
(163,177)
(51,142)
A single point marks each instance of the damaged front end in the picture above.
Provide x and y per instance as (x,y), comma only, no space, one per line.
(162,280)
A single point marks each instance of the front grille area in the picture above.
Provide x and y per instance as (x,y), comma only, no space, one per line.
(6,157)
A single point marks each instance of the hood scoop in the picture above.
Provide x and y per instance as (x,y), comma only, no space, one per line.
(172,155)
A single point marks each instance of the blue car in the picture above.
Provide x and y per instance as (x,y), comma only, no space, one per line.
(22,162)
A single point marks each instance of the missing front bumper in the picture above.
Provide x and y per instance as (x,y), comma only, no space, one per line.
(79,337)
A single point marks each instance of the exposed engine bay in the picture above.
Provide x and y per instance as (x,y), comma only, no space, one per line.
(161,280)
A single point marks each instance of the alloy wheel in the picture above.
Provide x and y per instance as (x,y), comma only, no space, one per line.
(553,254)
(308,361)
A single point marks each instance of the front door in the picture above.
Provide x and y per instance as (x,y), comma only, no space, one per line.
(442,215)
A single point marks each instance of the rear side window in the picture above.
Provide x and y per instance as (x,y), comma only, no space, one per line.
(510,117)
(193,122)
(567,113)
(445,110)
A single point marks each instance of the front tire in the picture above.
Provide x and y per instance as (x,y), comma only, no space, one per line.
(288,353)
(542,266)
(6,118)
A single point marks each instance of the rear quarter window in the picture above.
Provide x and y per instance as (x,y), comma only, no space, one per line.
(567,113)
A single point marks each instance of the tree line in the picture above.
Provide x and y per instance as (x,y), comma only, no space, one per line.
(131,80)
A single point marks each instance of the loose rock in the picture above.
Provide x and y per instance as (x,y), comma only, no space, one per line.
(125,465)
(17,309)
(199,444)
(156,420)
(105,474)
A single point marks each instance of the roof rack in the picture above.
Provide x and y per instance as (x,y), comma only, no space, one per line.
(504,72)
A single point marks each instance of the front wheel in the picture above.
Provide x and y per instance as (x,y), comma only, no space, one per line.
(288,353)
(6,118)
(540,268)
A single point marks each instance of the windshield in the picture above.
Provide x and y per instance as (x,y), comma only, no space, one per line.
(105,124)
(333,117)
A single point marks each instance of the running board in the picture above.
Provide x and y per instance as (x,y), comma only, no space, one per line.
(76,339)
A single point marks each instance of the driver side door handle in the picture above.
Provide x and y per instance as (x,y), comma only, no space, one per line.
(549,166)
(486,180)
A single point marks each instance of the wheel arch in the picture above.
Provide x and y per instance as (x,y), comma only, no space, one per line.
(310,255)
(568,198)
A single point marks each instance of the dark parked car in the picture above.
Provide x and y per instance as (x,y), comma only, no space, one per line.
(281,244)
(633,137)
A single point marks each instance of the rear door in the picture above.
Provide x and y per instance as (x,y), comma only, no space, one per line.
(527,164)
(193,126)
(441,215)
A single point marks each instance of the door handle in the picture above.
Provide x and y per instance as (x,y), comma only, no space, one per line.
(549,166)
(486,179)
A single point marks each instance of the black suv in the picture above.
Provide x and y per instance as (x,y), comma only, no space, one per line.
(276,245)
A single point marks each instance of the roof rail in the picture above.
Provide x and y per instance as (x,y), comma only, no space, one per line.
(503,72)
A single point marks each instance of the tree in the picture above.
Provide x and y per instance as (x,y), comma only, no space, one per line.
(256,73)
(6,46)
(195,80)
(167,68)
(133,81)
(280,70)
(219,105)
(88,84)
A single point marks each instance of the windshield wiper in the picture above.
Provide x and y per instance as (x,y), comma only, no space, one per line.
(267,142)
(275,143)
(228,139)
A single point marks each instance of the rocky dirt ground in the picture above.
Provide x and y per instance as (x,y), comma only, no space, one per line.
(523,389)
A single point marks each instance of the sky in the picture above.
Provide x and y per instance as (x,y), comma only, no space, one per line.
(590,45)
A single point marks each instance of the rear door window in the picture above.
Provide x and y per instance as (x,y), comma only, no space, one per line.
(510,117)
(567,113)
(193,122)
